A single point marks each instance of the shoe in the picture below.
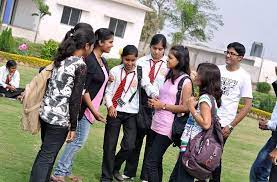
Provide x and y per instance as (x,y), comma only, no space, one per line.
(2,95)
(127,177)
(117,176)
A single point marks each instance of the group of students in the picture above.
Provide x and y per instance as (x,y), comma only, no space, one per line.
(81,80)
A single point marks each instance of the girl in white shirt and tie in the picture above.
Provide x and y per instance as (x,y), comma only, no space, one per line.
(122,101)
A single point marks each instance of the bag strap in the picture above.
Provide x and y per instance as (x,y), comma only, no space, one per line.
(213,105)
(180,86)
(139,76)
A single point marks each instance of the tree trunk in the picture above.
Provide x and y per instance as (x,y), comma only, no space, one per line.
(35,40)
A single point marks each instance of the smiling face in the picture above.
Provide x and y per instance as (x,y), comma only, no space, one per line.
(232,57)
(106,45)
(129,62)
(172,61)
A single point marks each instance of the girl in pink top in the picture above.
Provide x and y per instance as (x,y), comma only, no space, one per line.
(178,63)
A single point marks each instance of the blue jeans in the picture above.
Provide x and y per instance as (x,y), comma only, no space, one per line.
(260,169)
(64,166)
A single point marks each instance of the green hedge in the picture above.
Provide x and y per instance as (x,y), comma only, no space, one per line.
(263,87)
(262,101)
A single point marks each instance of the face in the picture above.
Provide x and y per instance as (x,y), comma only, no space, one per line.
(172,61)
(157,51)
(129,62)
(232,57)
(106,45)
(197,80)
(12,69)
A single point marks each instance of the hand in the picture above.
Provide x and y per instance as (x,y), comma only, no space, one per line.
(226,132)
(112,112)
(263,124)
(70,136)
(273,156)
(98,116)
(10,87)
(111,78)
(191,103)
(155,103)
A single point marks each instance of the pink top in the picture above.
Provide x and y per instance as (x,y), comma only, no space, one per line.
(97,99)
(162,119)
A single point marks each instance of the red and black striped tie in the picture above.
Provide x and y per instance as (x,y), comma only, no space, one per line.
(119,91)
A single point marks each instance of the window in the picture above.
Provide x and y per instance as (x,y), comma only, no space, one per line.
(118,27)
(71,16)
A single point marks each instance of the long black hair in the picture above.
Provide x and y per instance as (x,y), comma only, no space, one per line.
(76,41)
(182,55)
(210,81)
(77,27)
(102,34)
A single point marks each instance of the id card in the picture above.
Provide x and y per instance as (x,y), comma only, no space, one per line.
(120,102)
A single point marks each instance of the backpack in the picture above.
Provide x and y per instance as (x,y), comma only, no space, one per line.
(32,99)
(204,151)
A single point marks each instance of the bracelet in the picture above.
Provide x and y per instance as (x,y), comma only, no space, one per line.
(164,107)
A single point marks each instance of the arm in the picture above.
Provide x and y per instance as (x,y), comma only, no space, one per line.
(204,119)
(186,93)
(109,95)
(75,98)
(96,114)
(151,90)
(16,79)
(243,112)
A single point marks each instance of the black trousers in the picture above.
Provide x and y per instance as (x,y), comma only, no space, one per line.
(11,94)
(110,162)
(273,174)
(154,160)
(52,137)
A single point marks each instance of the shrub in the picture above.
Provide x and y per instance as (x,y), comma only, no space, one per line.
(262,101)
(6,40)
(263,87)
(34,49)
(49,49)
(112,62)
(25,59)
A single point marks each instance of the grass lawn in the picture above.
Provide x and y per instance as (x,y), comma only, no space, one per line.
(18,149)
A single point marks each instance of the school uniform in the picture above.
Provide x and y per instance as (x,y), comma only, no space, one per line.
(156,73)
(118,94)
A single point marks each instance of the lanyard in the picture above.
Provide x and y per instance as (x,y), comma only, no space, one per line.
(155,65)
(126,79)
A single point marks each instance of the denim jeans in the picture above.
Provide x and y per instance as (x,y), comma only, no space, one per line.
(64,166)
(260,169)
(52,137)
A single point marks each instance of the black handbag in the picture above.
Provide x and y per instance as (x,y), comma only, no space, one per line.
(179,121)
(143,117)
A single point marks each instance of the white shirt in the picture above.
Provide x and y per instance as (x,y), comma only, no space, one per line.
(119,73)
(3,76)
(272,123)
(160,68)
(234,84)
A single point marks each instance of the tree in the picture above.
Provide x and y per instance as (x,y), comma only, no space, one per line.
(154,21)
(43,11)
(194,19)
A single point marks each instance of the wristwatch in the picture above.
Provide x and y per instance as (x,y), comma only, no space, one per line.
(164,107)
(230,127)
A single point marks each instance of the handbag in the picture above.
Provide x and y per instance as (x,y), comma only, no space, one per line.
(179,122)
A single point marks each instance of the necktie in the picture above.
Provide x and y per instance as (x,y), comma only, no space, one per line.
(152,72)
(119,91)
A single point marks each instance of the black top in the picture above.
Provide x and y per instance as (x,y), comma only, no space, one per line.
(94,80)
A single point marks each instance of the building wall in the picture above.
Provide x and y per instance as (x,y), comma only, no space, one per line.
(23,15)
(98,16)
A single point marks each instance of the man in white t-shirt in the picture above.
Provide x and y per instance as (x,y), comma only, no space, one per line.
(236,85)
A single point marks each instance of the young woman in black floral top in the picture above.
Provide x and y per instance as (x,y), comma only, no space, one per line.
(61,103)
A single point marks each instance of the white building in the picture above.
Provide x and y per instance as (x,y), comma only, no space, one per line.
(124,17)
